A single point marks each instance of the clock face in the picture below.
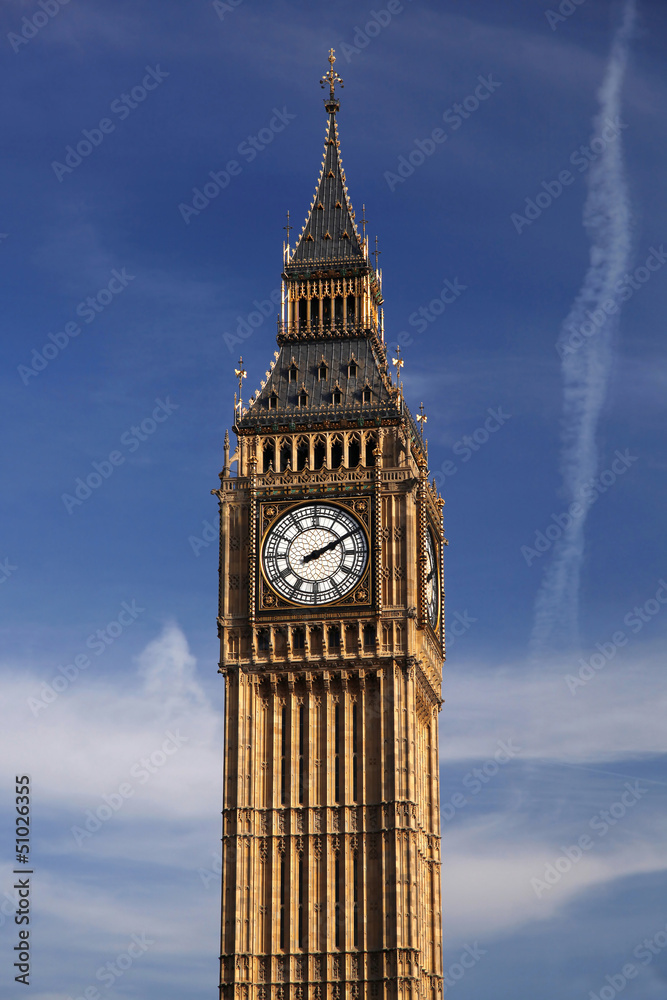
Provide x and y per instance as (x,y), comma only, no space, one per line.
(315,554)
(432,582)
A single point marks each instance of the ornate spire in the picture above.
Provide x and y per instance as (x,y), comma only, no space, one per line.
(330,233)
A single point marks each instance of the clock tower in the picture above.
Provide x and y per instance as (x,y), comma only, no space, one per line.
(331,632)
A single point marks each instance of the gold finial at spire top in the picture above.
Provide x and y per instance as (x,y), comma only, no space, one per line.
(332,78)
(240,373)
(398,363)
(421,418)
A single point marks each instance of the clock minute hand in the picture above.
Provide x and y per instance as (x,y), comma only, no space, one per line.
(327,548)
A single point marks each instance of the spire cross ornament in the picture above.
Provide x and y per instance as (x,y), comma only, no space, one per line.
(288,227)
(421,418)
(240,373)
(398,363)
(332,78)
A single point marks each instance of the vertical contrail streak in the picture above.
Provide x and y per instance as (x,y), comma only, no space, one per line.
(586,369)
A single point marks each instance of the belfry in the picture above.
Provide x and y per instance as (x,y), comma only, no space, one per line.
(331,626)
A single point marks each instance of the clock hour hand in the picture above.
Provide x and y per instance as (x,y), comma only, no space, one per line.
(327,548)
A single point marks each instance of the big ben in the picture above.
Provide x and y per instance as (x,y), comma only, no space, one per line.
(331,627)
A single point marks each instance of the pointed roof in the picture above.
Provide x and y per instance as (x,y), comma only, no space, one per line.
(320,407)
(330,233)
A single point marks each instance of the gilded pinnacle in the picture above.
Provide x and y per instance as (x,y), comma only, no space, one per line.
(332,78)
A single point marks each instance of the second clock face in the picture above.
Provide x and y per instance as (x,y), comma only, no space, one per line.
(432,582)
(315,554)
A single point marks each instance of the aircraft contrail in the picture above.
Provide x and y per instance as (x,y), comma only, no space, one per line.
(587,356)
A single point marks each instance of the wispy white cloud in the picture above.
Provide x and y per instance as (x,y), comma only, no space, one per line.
(487,887)
(80,748)
(86,742)
(83,745)
(586,370)
(619,714)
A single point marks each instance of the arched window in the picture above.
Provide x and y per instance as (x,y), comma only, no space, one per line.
(336,452)
(268,456)
(371,444)
(322,371)
(353,452)
(302,453)
(319,452)
(285,453)
(303,398)
(369,636)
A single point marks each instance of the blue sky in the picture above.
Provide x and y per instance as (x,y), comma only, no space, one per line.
(554,754)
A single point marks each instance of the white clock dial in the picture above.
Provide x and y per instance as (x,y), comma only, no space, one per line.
(315,554)
(432,582)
